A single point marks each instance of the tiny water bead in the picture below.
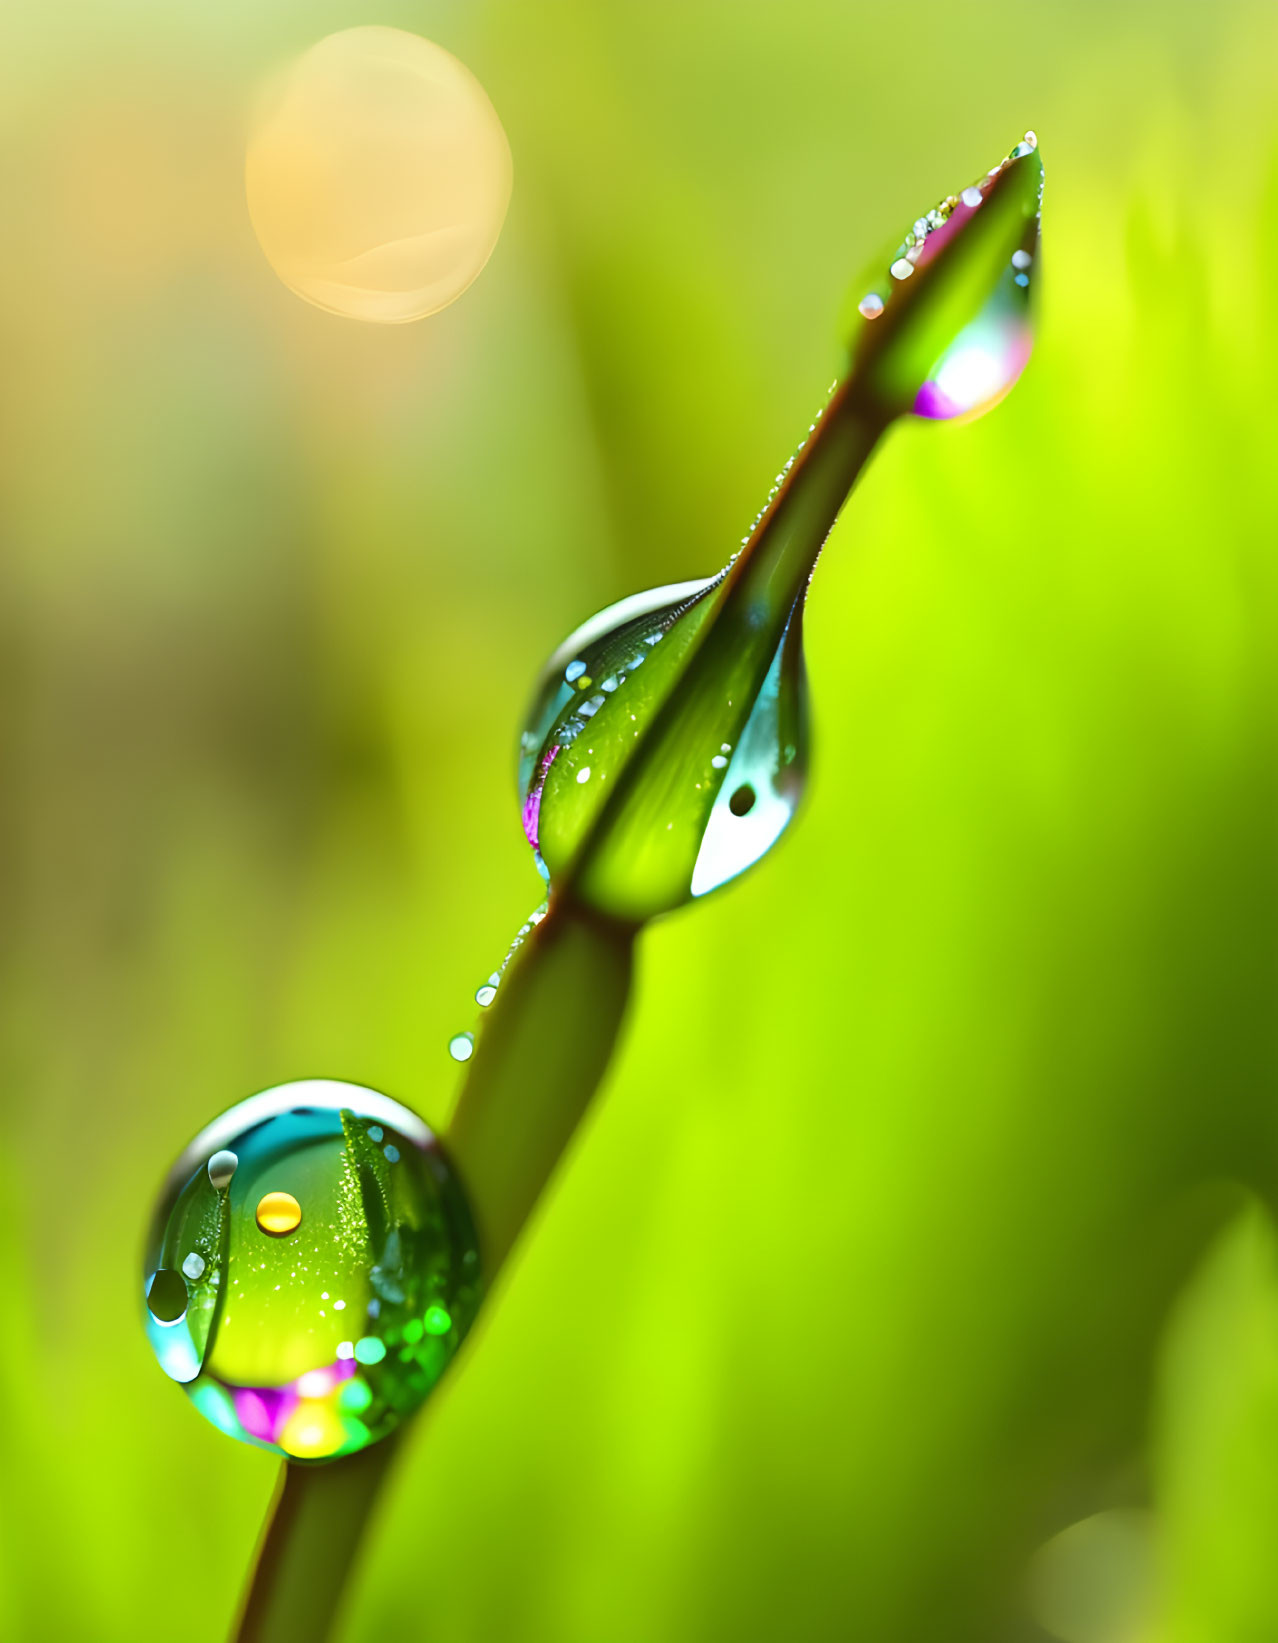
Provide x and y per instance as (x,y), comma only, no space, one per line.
(377,175)
(222,1167)
(278,1213)
(294,1293)
(461,1046)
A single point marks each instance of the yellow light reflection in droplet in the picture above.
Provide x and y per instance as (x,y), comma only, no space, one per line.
(378,176)
(313,1430)
(278,1213)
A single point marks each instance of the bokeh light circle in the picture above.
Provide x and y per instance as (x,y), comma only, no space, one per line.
(378,175)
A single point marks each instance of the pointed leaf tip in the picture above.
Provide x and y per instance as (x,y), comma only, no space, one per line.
(944,323)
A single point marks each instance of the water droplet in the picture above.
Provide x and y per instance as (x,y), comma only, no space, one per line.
(222,1167)
(461,1046)
(436,1321)
(971,197)
(387,1244)
(574,671)
(870,306)
(166,1296)
(1021,259)
(901,269)
(719,762)
(485,995)
(278,1213)
(764,779)
(583,775)
(617,644)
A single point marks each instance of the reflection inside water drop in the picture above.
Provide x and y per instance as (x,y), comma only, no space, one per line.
(340,1204)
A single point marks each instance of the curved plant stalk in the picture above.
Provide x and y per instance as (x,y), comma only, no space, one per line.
(521,1103)
(943,333)
(316,1520)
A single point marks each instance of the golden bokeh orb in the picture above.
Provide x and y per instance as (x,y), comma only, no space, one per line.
(378,175)
(278,1213)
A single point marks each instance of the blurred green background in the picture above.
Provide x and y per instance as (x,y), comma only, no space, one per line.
(924,1214)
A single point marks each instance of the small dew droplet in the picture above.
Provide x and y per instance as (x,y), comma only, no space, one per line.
(391,1153)
(574,671)
(278,1213)
(870,306)
(375,1132)
(484,996)
(583,775)
(1021,259)
(222,1166)
(193,1267)
(901,269)
(972,197)
(166,1296)
(719,762)
(462,1046)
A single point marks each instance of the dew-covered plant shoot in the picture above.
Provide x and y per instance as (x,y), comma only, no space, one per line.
(317,1255)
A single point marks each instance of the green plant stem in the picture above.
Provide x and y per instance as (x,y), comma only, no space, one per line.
(536,1066)
(313,1530)
(544,1048)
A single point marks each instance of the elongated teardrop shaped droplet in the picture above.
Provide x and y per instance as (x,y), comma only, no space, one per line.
(764,774)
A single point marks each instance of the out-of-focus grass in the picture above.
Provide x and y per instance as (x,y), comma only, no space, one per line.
(850,1293)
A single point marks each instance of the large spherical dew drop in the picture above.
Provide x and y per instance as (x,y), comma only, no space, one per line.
(378,175)
(311,1269)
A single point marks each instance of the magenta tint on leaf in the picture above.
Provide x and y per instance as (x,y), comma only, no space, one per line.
(972,376)
(947,317)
